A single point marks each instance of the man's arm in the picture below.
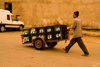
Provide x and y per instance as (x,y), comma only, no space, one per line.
(73,26)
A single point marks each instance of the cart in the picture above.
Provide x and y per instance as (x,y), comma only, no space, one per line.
(40,36)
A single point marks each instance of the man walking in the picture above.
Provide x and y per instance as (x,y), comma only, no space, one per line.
(77,34)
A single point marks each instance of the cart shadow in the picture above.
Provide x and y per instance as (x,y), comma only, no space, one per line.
(47,49)
(29,46)
(54,49)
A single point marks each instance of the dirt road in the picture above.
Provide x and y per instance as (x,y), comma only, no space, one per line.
(14,54)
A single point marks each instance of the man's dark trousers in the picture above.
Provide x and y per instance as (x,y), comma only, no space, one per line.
(80,43)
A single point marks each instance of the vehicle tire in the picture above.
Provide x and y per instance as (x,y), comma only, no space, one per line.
(2,28)
(52,44)
(39,44)
(21,28)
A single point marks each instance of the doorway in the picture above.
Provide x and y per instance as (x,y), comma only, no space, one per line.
(8,6)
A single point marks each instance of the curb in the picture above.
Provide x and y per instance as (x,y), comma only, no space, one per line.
(88,33)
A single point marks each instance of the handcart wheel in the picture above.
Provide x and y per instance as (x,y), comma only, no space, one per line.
(52,44)
(39,44)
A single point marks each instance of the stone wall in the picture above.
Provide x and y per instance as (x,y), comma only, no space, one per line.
(33,12)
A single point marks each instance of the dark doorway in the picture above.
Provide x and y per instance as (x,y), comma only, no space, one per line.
(8,6)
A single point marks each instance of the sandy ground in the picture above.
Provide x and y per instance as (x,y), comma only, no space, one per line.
(14,54)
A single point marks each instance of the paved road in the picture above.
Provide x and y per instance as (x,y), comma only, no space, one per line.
(14,54)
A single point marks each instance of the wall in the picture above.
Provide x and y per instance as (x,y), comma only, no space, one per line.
(33,12)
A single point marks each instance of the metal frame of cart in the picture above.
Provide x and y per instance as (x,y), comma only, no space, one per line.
(39,42)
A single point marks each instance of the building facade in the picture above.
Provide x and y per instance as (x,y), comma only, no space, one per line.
(34,12)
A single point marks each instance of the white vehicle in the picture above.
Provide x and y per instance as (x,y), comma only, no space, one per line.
(8,21)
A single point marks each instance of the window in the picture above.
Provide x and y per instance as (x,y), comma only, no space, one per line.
(14,18)
(8,17)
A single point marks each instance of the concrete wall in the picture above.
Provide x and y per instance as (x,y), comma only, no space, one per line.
(33,12)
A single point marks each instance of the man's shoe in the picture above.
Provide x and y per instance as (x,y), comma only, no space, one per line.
(85,54)
(65,50)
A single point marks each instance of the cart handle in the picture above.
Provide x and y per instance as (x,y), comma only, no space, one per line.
(66,34)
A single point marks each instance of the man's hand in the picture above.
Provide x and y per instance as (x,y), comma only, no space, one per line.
(68,28)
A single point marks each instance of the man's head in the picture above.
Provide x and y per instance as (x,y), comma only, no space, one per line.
(76,14)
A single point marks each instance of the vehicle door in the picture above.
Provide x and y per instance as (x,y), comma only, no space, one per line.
(7,21)
(15,22)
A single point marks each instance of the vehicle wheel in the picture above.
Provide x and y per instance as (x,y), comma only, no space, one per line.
(39,44)
(21,28)
(2,28)
(52,44)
